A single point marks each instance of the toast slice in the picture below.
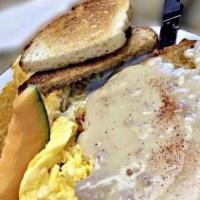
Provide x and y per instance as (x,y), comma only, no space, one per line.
(92,29)
(140,41)
(175,54)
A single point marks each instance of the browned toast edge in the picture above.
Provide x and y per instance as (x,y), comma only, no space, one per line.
(140,40)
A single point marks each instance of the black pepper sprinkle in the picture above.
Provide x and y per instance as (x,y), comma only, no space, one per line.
(129,172)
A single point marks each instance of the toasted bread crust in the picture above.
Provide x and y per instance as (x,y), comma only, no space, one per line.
(174,54)
(92,29)
(142,40)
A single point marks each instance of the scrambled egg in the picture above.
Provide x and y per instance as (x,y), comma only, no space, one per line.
(53,102)
(19,76)
(54,172)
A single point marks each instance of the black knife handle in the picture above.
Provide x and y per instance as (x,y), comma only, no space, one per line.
(168,32)
(170,22)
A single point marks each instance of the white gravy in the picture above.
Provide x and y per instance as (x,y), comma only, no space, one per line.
(143,129)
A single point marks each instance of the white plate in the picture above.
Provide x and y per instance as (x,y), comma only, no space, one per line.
(7,76)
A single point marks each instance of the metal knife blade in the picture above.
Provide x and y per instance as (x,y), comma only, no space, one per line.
(171,19)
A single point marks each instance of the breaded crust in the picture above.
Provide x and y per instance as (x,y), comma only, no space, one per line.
(141,40)
(174,54)
(92,29)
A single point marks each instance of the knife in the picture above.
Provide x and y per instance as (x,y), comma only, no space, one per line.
(171,19)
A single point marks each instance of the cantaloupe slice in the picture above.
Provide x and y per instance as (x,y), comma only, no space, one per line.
(28,133)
